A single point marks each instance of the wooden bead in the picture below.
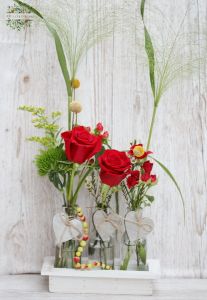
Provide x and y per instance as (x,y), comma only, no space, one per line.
(82,243)
(75,83)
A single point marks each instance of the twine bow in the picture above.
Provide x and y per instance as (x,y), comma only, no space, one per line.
(112,219)
(63,223)
(101,219)
(143,225)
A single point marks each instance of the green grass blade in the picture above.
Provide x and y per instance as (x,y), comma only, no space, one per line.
(142,8)
(151,58)
(172,178)
(58,44)
(149,50)
(61,57)
(32,9)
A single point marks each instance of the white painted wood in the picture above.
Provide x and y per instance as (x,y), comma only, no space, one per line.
(100,282)
(115,90)
(24,287)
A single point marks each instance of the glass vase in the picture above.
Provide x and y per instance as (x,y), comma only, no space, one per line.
(65,252)
(134,255)
(99,251)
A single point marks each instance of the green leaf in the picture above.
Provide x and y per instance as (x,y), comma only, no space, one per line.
(149,50)
(142,8)
(173,180)
(32,9)
(125,263)
(58,44)
(142,253)
(151,58)
(150,198)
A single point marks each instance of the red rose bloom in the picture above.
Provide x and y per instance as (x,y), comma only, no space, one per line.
(115,166)
(133,179)
(80,144)
(138,151)
(147,166)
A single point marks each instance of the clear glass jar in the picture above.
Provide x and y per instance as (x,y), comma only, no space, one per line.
(134,255)
(141,255)
(65,253)
(98,250)
(101,252)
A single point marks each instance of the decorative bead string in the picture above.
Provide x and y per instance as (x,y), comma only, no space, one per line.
(82,245)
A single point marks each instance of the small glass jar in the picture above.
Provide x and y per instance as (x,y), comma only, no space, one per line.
(65,252)
(101,252)
(141,255)
(134,255)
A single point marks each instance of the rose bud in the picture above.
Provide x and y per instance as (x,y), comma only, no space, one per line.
(75,107)
(75,83)
(105,135)
(99,127)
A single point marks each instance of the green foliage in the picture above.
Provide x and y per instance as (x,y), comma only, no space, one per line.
(125,263)
(52,162)
(48,160)
(141,252)
(149,50)
(46,123)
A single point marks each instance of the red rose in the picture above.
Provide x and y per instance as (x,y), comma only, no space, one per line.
(133,179)
(138,151)
(80,144)
(147,166)
(115,166)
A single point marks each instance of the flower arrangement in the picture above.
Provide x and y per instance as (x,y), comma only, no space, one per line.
(83,156)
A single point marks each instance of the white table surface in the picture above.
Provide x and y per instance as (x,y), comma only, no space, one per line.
(22,287)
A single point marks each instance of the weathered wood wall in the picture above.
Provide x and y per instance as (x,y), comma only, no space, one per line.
(114,90)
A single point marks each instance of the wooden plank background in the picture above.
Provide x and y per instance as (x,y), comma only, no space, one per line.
(114,90)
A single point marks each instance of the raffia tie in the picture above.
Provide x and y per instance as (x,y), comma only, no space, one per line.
(68,224)
(140,223)
(109,219)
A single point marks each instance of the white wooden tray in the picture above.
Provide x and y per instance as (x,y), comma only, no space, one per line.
(114,282)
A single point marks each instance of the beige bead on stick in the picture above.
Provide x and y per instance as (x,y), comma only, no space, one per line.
(75,107)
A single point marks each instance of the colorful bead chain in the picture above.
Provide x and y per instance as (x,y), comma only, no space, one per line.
(82,245)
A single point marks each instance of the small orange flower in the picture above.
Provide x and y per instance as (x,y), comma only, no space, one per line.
(138,151)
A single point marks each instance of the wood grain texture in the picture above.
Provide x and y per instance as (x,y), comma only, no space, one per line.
(114,90)
(24,287)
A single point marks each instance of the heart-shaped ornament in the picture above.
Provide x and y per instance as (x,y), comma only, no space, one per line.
(137,227)
(106,224)
(66,229)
